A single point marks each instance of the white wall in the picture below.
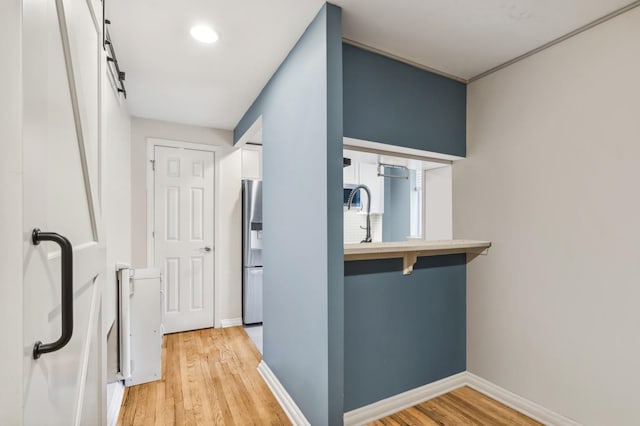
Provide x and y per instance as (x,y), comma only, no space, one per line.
(552,179)
(438,204)
(252,162)
(228,233)
(116,193)
(11,349)
(354,221)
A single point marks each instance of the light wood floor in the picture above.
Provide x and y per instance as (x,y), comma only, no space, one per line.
(209,378)
(463,406)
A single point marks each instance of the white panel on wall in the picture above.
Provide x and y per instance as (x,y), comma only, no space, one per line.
(172,225)
(197,214)
(417,199)
(438,204)
(11,260)
(252,163)
(87,73)
(197,169)
(197,283)
(172,283)
(173,167)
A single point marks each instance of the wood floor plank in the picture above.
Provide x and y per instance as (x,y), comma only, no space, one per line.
(197,364)
(220,408)
(438,410)
(209,377)
(138,417)
(415,417)
(496,410)
(477,414)
(128,407)
(462,406)
(420,418)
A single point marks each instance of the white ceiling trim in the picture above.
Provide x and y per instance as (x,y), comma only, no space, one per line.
(398,151)
(532,52)
(560,39)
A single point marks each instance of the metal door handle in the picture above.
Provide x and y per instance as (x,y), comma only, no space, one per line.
(206,248)
(66,259)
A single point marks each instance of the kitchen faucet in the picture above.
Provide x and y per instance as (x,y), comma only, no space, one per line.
(367,239)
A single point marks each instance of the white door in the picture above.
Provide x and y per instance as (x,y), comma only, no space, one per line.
(183,228)
(62,65)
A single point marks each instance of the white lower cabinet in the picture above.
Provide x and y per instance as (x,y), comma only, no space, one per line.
(141,325)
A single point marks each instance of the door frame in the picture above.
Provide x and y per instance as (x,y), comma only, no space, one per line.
(11,211)
(152,143)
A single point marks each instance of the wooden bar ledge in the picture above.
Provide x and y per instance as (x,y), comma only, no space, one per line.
(409,251)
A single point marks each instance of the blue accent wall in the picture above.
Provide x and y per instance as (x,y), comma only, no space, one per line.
(396,221)
(402,331)
(301,109)
(390,102)
(339,335)
(335,225)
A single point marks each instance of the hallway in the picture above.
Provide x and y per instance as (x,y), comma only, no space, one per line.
(209,377)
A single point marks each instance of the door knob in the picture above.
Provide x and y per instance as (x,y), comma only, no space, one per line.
(206,248)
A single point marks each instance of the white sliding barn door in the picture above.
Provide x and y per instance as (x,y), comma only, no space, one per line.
(62,65)
(183,227)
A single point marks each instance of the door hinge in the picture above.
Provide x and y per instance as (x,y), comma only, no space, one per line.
(153,165)
(153,234)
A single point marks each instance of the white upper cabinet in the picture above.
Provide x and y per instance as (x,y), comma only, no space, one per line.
(252,163)
(368,175)
(350,174)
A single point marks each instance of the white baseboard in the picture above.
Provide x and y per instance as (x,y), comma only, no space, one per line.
(287,403)
(510,399)
(115,393)
(230,322)
(396,403)
(385,407)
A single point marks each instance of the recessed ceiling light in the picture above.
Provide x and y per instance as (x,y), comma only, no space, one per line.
(204,34)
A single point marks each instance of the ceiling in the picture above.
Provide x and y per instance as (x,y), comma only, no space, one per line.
(172,77)
(465,38)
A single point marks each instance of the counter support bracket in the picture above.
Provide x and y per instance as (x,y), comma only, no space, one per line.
(408,260)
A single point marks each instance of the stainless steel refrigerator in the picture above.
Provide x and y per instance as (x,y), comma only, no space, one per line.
(251,251)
